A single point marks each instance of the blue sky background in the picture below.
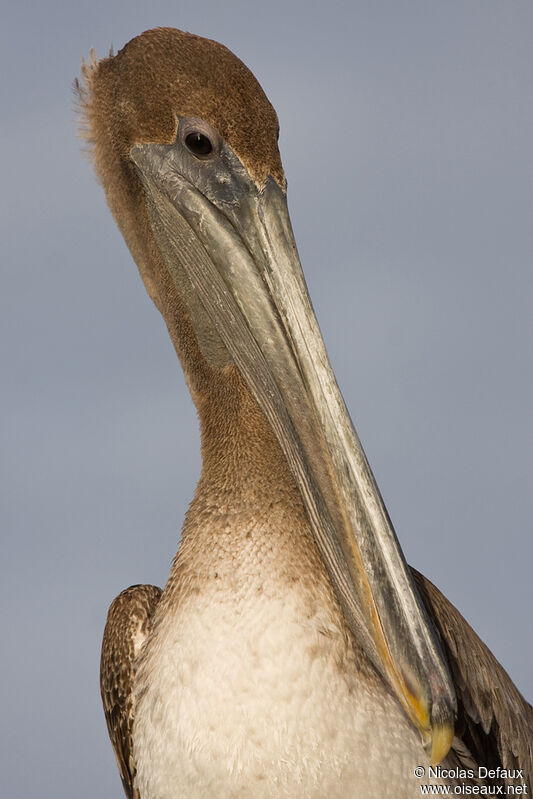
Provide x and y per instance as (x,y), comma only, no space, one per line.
(406,135)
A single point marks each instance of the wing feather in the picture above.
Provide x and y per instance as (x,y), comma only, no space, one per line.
(494,720)
(128,624)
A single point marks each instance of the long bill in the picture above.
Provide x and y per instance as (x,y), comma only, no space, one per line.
(232,243)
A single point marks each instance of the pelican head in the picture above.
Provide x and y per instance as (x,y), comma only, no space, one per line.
(185,145)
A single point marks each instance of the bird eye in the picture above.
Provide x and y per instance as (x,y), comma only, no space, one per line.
(199,144)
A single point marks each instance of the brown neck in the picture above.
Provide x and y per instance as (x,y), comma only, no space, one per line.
(246,491)
(247,515)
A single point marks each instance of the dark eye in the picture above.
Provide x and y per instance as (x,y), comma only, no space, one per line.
(198,143)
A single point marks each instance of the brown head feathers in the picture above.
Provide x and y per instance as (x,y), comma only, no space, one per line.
(135,97)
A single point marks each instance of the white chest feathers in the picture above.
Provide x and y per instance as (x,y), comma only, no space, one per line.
(260,697)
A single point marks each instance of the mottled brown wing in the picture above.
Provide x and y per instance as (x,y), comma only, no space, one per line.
(494,720)
(128,624)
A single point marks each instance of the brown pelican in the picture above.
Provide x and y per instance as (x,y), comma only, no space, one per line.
(292,653)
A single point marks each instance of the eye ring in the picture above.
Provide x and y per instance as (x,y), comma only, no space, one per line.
(199,144)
